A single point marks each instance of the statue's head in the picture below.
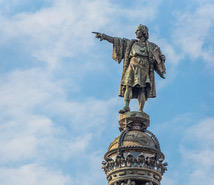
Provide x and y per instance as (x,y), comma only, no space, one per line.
(142,31)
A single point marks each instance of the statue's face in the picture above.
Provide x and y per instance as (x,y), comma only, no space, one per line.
(139,33)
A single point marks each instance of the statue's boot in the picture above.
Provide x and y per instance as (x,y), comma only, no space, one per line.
(127,98)
(124,109)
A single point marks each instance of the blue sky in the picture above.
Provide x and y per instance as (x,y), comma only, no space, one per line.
(59,86)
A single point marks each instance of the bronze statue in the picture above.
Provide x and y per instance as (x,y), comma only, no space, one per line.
(141,59)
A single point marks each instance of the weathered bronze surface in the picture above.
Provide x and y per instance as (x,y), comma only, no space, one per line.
(141,59)
(135,157)
(141,120)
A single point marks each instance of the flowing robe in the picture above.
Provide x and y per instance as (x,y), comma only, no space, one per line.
(122,51)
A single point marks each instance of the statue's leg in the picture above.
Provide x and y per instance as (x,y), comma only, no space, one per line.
(127,98)
(141,99)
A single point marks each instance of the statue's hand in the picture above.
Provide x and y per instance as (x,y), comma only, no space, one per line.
(162,76)
(163,58)
(99,35)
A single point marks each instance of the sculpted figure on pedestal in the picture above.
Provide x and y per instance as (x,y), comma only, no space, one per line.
(148,183)
(141,159)
(141,59)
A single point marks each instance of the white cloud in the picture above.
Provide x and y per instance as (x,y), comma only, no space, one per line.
(84,115)
(60,30)
(38,139)
(198,152)
(95,175)
(187,143)
(29,101)
(32,174)
(194,32)
(203,132)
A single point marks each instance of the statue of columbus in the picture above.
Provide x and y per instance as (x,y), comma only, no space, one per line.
(140,59)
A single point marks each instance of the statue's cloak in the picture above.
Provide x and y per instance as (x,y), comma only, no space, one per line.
(121,50)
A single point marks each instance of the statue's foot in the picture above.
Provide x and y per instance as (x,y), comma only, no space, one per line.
(124,109)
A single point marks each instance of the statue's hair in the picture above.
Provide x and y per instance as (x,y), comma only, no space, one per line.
(144,29)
